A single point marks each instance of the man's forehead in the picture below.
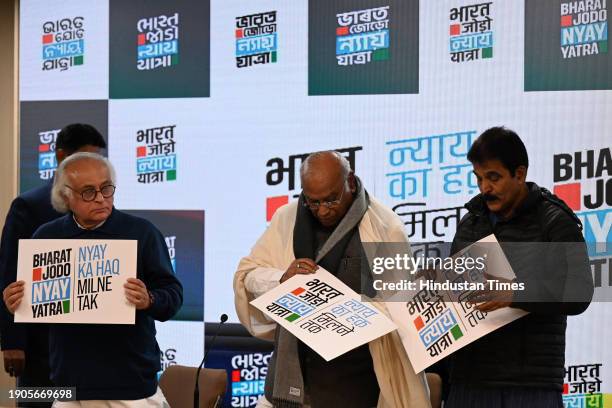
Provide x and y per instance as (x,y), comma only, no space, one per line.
(489,166)
(320,186)
(88,172)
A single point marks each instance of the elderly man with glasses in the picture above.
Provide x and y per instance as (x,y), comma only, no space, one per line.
(326,226)
(25,348)
(116,363)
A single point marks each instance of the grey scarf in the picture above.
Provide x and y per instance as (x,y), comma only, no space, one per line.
(286,390)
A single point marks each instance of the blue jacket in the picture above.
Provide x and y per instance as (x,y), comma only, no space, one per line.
(28,212)
(115,362)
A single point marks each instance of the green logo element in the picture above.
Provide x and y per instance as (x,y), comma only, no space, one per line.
(293,317)
(456,332)
(381,54)
(66,305)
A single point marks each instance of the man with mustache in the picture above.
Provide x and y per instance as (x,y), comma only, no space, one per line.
(522,363)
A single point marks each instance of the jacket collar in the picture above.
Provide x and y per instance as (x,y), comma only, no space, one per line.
(477,205)
(72,229)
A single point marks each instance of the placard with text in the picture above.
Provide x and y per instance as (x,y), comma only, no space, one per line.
(76,281)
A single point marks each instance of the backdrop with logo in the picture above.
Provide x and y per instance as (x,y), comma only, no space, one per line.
(209,107)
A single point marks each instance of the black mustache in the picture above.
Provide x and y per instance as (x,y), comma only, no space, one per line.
(489,197)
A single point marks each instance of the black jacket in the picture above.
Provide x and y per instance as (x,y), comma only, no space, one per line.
(529,352)
(28,212)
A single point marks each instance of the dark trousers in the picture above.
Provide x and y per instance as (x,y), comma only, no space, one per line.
(35,374)
(462,396)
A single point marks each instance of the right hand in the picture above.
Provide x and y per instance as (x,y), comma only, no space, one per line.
(12,295)
(14,362)
(301,266)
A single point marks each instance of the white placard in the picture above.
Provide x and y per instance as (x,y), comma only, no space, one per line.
(76,281)
(436,323)
(324,313)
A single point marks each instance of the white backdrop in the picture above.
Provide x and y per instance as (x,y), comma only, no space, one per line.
(257,113)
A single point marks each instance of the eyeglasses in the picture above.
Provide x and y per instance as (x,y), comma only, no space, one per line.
(314,205)
(90,194)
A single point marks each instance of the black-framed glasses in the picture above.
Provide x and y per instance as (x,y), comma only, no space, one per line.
(314,205)
(90,194)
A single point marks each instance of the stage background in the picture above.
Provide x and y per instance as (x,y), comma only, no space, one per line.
(173,88)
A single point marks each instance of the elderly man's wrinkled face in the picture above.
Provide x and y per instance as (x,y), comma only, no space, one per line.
(82,177)
(329,197)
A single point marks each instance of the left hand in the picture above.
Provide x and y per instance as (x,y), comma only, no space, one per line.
(14,362)
(12,295)
(137,294)
(492,299)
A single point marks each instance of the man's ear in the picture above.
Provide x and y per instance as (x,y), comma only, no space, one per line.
(60,155)
(352,182)
(521,173)
(64,195)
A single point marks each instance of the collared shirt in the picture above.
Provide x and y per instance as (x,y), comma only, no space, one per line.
(83,228)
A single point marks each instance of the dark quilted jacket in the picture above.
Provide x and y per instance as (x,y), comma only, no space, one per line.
(529,352)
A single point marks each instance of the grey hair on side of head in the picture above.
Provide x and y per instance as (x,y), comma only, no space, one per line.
(59,191)
(344,163)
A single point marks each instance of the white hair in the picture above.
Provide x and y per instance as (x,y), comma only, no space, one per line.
(59,191)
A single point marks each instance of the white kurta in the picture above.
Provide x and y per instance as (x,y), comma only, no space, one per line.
(272,254)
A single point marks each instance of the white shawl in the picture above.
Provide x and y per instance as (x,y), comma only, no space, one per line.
(400,386)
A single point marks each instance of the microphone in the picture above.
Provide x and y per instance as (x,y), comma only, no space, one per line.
(196,391)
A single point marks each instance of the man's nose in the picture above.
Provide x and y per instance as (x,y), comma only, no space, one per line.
(322,211)
(99,197)
(486,186)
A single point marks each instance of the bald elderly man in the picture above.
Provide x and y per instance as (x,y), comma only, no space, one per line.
(326,227)
(115,363)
